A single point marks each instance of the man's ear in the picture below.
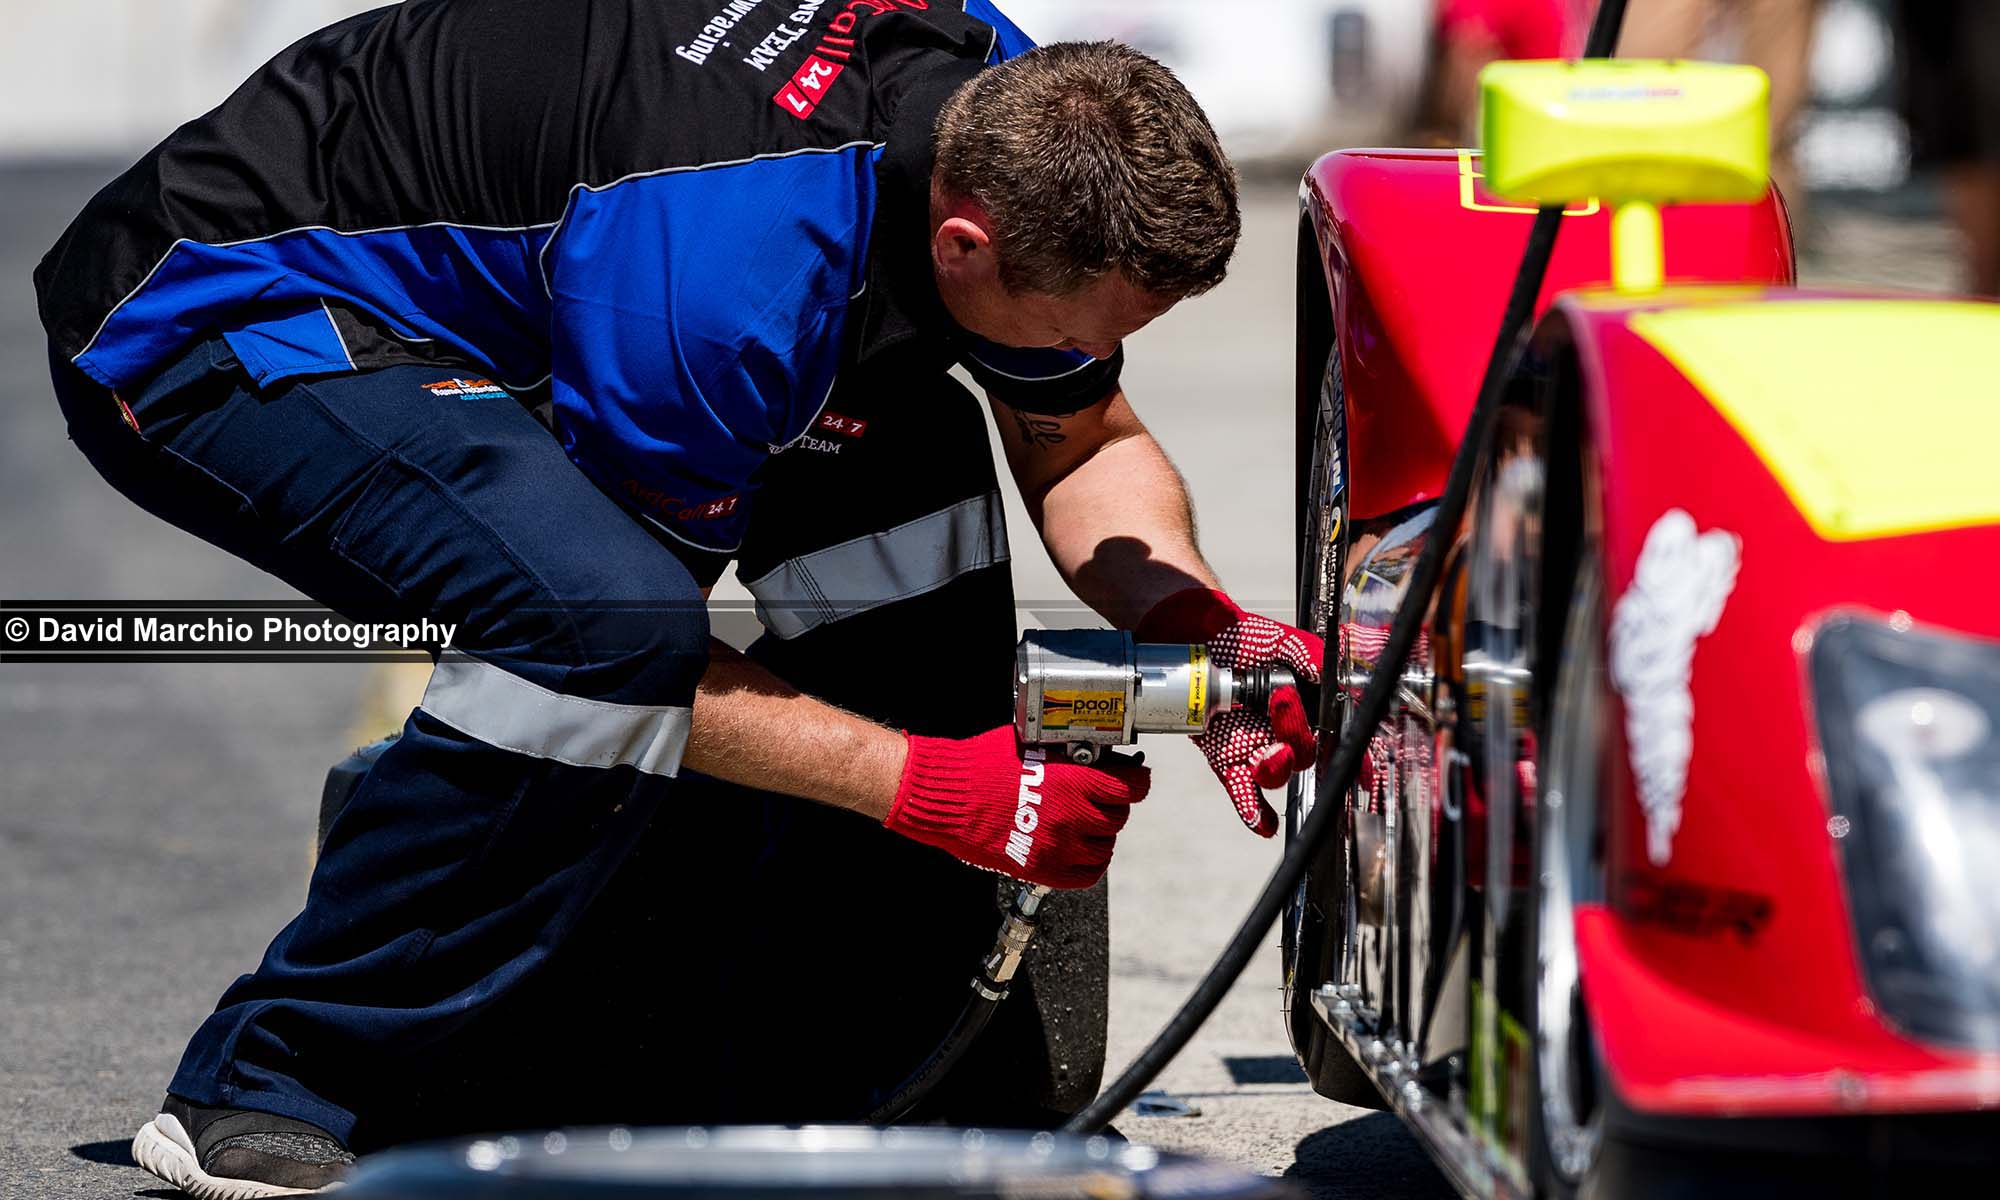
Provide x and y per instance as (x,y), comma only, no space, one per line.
(962,244)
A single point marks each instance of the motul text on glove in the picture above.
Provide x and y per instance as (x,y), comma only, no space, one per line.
(994,805)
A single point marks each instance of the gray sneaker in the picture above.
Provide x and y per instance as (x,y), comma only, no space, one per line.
(238,1154)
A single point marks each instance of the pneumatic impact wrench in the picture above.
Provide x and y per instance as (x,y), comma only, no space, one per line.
(1081,690)
(1078,692)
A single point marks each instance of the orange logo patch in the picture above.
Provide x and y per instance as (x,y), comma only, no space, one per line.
(481,388)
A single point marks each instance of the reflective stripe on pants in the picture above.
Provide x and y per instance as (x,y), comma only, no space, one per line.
(503,710)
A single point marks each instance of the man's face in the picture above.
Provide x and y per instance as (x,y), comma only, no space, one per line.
(1094,319)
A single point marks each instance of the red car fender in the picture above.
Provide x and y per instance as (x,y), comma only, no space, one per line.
(1418,260)
(1723,978)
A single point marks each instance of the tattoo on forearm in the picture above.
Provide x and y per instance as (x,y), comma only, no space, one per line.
(1040,432)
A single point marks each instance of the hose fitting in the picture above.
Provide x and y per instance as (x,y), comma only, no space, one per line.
(1016,931)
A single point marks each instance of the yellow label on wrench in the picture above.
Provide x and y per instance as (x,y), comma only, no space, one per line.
(1197,684)
(1083,710)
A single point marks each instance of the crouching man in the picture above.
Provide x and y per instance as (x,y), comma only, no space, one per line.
(530,316)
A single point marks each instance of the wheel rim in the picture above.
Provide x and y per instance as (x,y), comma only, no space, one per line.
(1572,1119)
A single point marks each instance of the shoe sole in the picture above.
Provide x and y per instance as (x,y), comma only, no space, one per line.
(164,1149)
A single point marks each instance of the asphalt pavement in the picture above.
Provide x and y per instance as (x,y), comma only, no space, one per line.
(155,820)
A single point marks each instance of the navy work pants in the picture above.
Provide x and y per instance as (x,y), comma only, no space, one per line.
(550,734)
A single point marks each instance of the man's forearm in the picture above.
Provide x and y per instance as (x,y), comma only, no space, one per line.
(1121,530)
(752,728)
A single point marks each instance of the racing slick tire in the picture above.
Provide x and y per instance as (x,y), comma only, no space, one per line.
(1566,1112)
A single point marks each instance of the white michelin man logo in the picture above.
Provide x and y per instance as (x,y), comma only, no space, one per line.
(1677,593)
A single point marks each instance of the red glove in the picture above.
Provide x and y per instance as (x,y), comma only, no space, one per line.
(1246,750)
(987,801)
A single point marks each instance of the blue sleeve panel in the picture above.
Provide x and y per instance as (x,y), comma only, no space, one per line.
(303,342)
(1011,41)
(697,324)
(478,290)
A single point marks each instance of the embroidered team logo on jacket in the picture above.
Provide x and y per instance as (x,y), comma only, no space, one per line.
(471,389)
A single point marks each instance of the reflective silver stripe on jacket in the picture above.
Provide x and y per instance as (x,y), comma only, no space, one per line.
(881,568)
(501,709)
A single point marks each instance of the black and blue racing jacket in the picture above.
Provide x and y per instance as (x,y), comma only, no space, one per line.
(686,218)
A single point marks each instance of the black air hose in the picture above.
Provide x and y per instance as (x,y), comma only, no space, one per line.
(989,988)
(971,1020)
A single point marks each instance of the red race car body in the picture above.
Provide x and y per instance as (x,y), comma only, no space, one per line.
(1417,257)
(1716,659)
(1748,993)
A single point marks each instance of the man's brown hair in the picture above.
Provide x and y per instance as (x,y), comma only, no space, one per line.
(1090,157)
